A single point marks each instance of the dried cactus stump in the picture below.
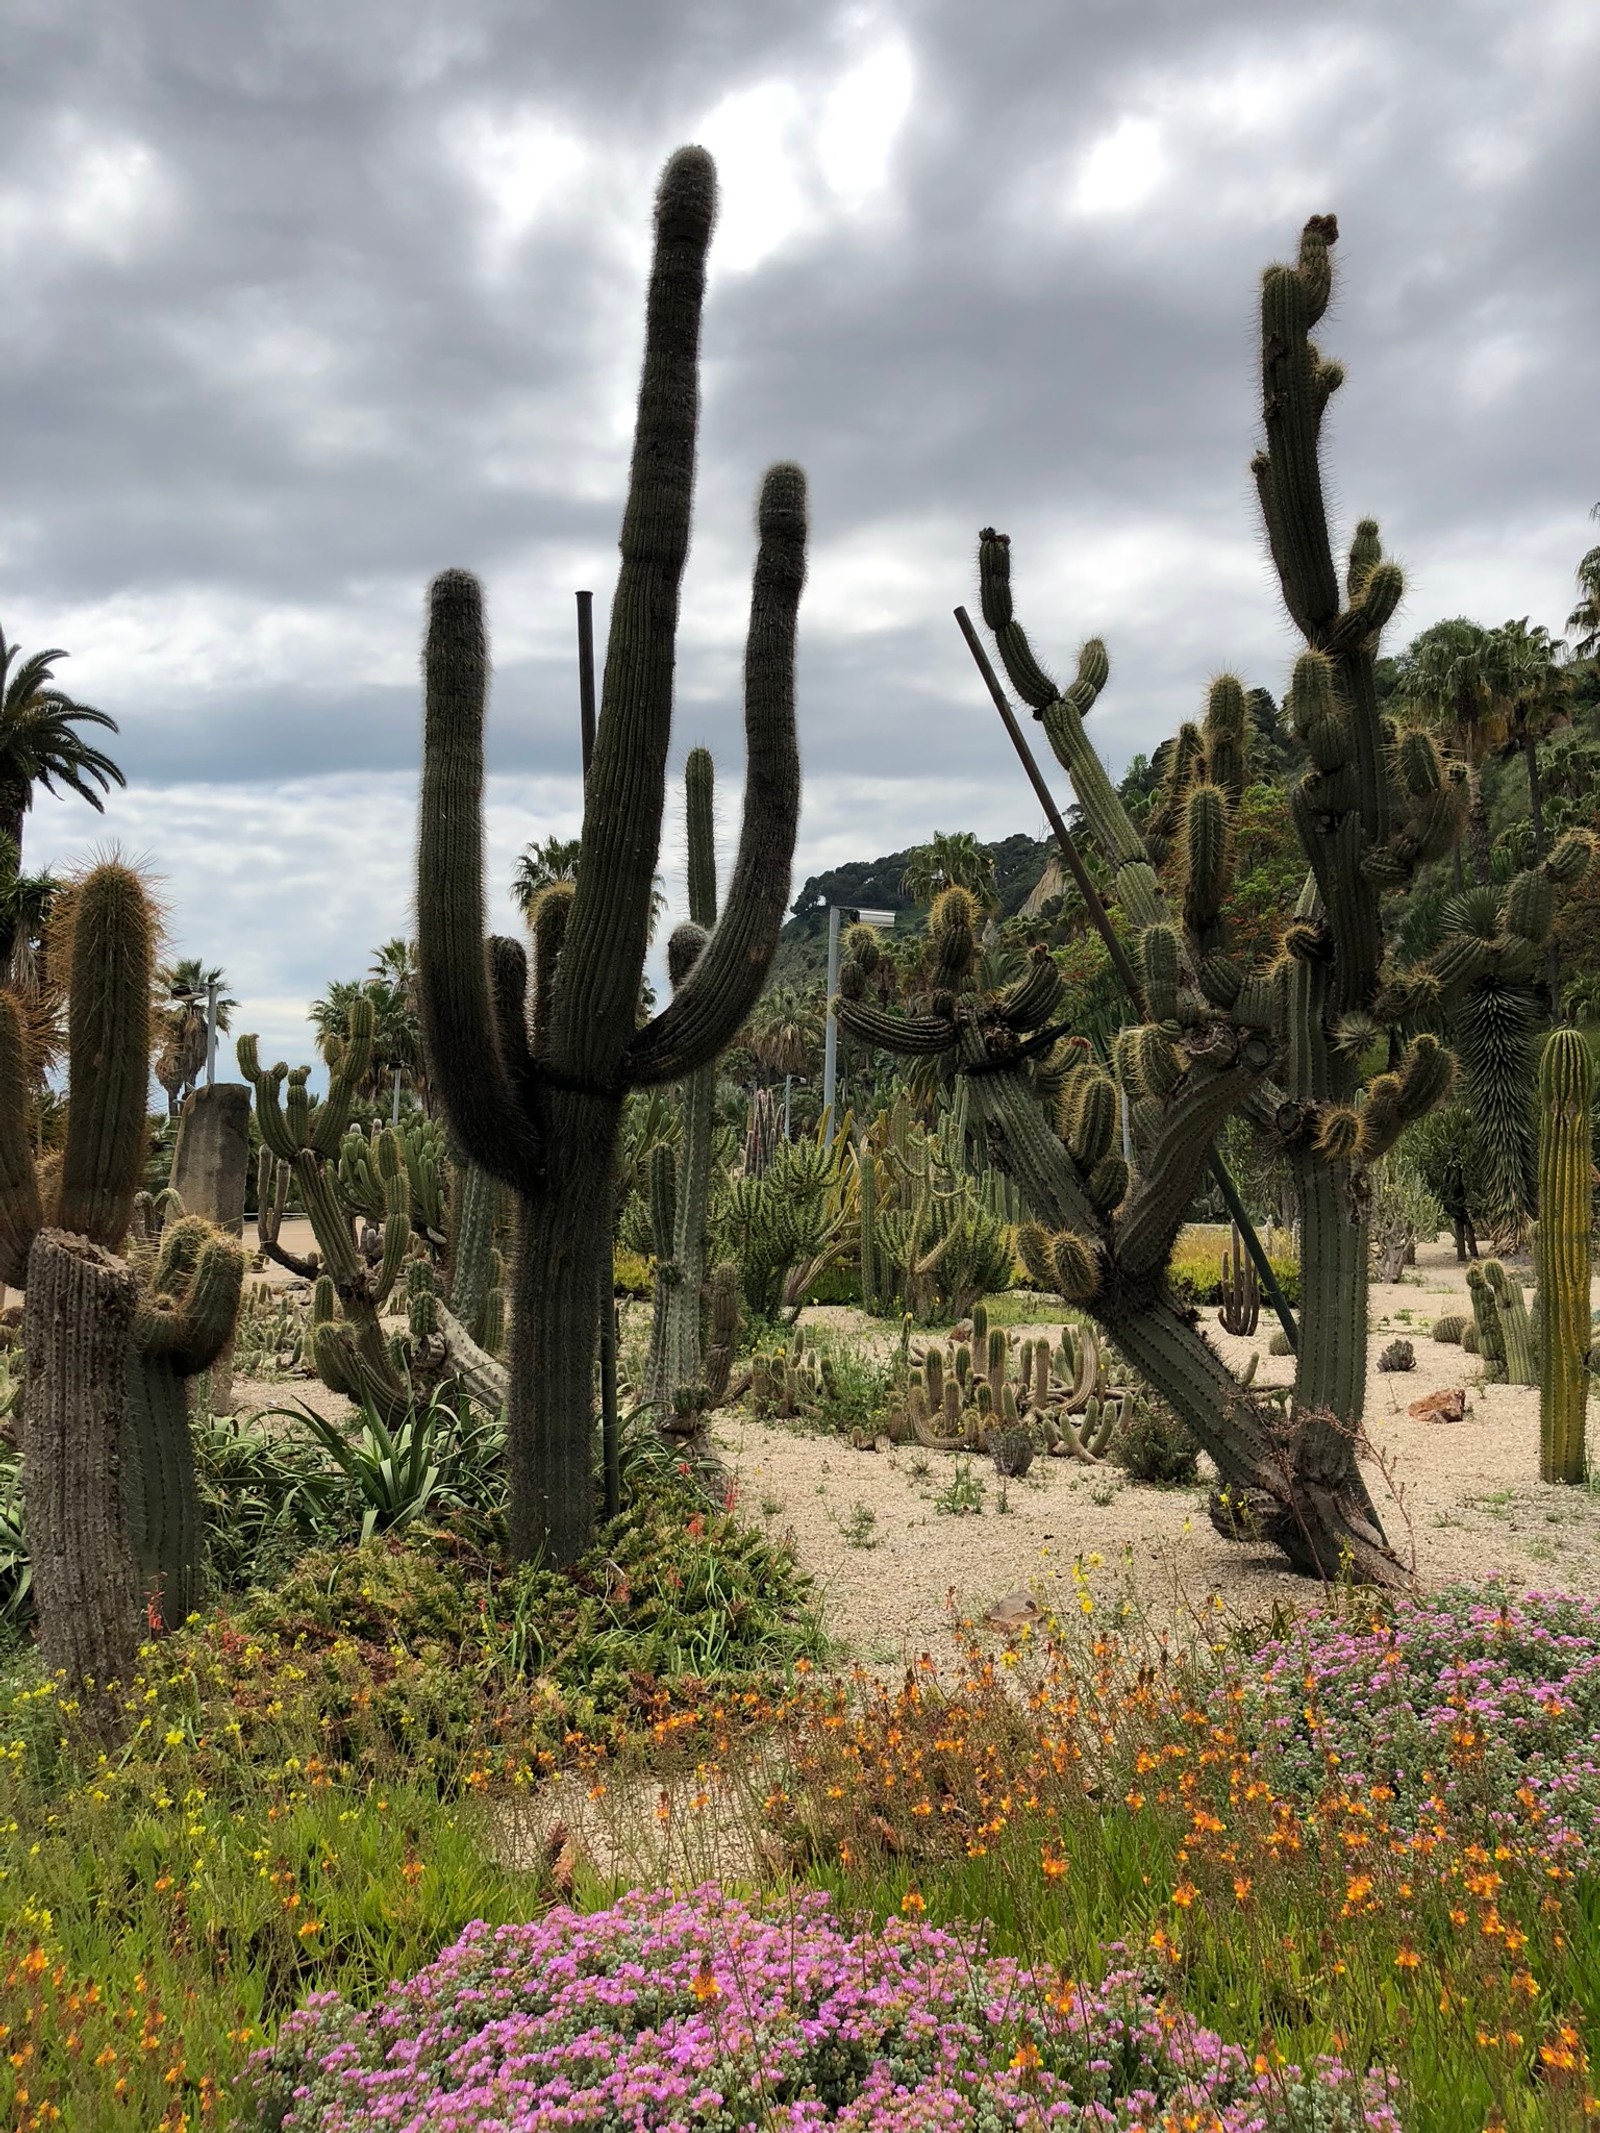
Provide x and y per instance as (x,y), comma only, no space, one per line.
(1012,1452)
(1398,1355)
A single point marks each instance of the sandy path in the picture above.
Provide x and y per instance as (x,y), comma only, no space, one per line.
(1470,1504)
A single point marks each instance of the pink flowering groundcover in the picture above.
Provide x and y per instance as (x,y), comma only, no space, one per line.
(698,2012)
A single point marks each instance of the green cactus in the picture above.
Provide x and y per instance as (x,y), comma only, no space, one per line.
(1450,1328)
(109,1481)
(183,1321)
(1513,1328)
(1240,1312)
(358,1261)
(1218,1038)
(537,1098)
(1562,1253)
(476,1202)
(677,1375)
(871,1292)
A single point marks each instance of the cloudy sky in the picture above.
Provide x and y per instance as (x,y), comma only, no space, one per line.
(307,299)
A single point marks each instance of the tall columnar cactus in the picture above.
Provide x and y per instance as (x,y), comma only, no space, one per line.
(93,1479)
(534,1090)
(1288,1044)
(1562,1258)
(677,1377)
(304,1141)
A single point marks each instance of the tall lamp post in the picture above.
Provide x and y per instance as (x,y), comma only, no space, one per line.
(830,1042)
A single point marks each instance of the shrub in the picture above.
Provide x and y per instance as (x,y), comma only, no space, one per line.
(668,2012)
(1196,1269)
(1153,1445)
(1486,1702)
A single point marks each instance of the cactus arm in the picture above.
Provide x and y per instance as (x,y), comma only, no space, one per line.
(913,1036)
(712,1004)
(1179,1157)
(275,1133)
(463,1061)
(347,1069)
(113,952)
(508,995)
(597,984)
(699,788)
(21,1212)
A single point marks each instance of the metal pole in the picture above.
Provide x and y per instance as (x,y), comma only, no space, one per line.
(830,1043)
(211,1031)
(610,1432)
(1120,963)
(394,1115)
(586,676)
(788,1084)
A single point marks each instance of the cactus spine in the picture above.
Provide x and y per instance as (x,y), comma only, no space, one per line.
(1562,1256)
(536,1097)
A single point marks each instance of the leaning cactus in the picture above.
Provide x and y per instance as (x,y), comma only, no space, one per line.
(1286,1043)
(533,1088)
(1562,1253)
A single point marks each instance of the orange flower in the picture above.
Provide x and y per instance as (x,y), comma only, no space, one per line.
(705,1983)
(912,1904)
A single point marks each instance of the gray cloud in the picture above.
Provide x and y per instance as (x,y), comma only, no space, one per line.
(307,301)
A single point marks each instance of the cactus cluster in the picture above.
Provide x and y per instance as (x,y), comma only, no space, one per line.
(785,1227)
(1240,1310)
(533,1077)
(983,1381)
(1501,1331)
(929,1242)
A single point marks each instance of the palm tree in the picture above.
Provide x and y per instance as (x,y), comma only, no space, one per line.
(38,743)
(549,860)
(1446,676)
(544,862)
(183,992)
(785,1031)
(1524,667)
(951,859)
(1585,617)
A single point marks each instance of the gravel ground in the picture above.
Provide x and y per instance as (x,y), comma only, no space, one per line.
(1461,1500)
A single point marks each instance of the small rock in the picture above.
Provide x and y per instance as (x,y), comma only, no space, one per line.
(1440,1406)
(1014,1610)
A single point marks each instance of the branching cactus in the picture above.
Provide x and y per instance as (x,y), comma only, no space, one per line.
(304,1141)
(100,1470)
(1292,1045)
(533,1078)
